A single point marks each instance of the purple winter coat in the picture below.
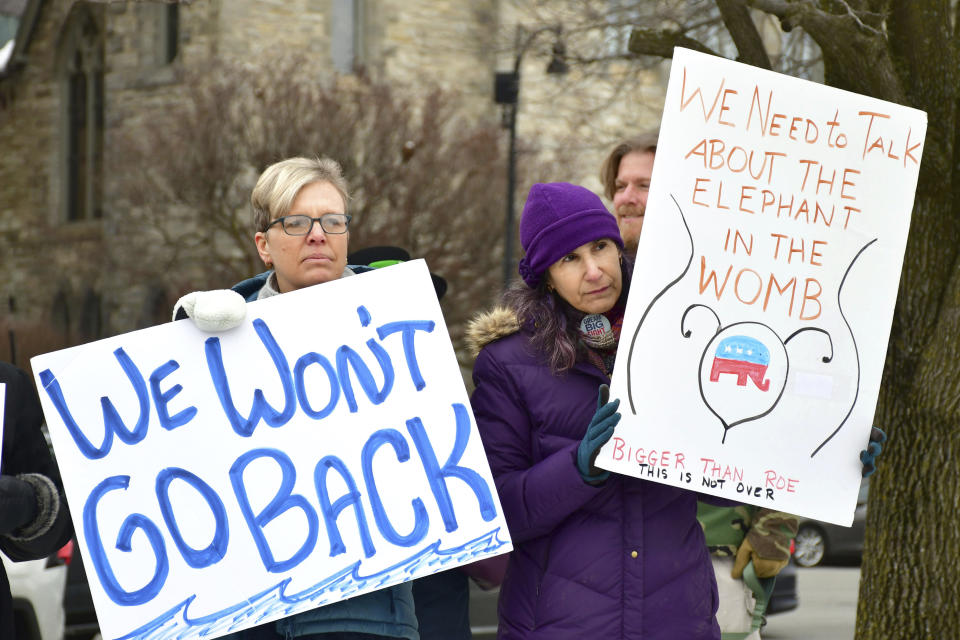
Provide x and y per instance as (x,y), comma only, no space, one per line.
(623,560)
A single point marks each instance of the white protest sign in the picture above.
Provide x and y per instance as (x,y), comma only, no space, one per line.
(323,449)
(755,333)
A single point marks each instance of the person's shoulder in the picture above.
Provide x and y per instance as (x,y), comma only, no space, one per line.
(7,370)
(497,341)
(360,268)
(490,327)
(11,374)
(250,287)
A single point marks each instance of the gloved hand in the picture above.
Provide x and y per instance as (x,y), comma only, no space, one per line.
(874,447)
(767,544)
(216,310)
(764,567)
(18,504)
(598,432)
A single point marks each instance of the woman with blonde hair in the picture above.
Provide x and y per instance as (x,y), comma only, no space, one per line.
(302,236)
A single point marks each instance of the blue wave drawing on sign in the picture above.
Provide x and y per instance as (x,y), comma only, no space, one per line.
(275,602)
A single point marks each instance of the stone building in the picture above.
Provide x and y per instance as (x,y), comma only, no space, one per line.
(76,76)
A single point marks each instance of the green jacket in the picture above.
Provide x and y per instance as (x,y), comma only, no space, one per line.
(769,532)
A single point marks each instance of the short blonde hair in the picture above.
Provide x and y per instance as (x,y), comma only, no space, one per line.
(278,186)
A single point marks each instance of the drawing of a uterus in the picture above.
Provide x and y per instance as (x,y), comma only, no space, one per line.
(754,352)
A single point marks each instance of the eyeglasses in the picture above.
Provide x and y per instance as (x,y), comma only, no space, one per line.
(301,225)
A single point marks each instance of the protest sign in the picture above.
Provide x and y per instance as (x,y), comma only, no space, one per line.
(750,359)
(323,449)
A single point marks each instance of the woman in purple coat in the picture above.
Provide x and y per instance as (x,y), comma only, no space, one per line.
(595,555)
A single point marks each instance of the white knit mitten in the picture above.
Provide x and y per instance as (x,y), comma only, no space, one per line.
(216,310)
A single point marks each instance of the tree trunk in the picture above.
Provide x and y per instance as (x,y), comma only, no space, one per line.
(910,579)
(905,52)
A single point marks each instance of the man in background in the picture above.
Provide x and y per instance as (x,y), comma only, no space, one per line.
(625,175)
(736,536)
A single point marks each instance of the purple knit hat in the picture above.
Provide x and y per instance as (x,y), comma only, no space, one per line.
(557,218)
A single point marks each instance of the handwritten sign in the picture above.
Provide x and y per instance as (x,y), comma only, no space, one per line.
(750,359)
(323,449)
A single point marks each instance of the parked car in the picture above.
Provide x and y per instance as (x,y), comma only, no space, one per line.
(818,541)
(80,618)
(37,589)
(784,596)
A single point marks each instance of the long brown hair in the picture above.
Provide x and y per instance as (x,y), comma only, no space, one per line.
(552,322)
(645,143)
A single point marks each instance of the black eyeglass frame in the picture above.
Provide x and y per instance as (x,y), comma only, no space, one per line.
(347,218)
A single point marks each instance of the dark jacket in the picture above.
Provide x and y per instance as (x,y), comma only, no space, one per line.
(626,559)
(26,455)
(388,612)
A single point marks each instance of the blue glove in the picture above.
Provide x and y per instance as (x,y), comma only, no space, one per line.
(869,455)
(598,432)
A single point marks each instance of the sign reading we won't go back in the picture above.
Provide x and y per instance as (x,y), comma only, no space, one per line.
(766,276)
(323,449)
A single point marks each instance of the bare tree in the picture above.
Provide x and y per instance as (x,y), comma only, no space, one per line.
(424,174)
(611,90)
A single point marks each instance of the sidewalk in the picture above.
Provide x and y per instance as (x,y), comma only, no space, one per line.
(828,606)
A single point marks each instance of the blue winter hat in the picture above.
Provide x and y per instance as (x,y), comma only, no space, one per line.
(557,218)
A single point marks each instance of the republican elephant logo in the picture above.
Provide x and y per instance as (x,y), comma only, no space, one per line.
(745,357)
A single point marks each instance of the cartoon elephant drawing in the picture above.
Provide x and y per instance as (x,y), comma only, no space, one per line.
(744,357)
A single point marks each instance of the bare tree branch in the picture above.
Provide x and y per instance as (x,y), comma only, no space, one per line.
(422,173)
(856,57)
(795,12)
(653,42)
(744,32)
(856,18)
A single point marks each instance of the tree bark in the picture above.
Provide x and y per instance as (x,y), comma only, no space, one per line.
(910,580)
(736,17)
(905,52)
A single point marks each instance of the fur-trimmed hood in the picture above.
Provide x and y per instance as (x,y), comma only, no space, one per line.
(489,326)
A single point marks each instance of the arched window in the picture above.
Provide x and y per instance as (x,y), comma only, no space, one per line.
(60,314)
(156,308)
(81,79)
(91,319)
(169,33)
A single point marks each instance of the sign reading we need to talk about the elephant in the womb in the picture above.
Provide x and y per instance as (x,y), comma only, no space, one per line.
(756,329)
(323,449)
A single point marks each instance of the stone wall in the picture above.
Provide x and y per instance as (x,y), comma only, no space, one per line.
(448,43)
(43,256)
